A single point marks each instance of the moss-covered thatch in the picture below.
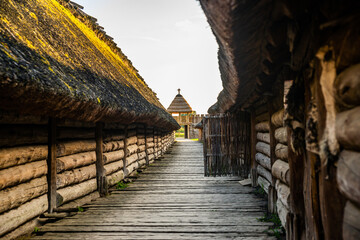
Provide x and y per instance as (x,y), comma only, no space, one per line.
(56,61)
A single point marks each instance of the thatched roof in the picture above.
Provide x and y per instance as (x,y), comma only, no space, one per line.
(260,41)
(179,105)
(199,125)
(56,60)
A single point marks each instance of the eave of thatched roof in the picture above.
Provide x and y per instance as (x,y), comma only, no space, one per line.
(261,41)
(56,61)
(179,105)
(199,125)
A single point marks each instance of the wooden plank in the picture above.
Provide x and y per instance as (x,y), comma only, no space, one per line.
(51,164)
(149,235)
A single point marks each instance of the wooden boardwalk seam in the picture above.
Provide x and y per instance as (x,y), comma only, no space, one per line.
(171,199)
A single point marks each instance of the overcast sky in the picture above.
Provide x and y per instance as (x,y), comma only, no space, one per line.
(169,42)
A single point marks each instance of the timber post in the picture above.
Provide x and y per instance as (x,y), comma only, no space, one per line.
(253,151)
(272,198)
(312,160)
(100,171)
(51,165)
(126,172)
(205,126)
(155,143)
(295,221)
(146,145)
(161,138)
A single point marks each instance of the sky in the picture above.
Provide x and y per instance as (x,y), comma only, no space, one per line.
(169,42)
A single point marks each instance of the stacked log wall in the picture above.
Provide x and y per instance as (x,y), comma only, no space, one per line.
(262,145)
(347,85)
(23,184)
(280,168)
(23,164)
(270,166)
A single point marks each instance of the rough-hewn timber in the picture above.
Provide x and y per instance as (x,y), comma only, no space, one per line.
(170,200)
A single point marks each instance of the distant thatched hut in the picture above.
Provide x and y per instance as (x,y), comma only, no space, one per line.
(75,115)
(181,111)
(293,68)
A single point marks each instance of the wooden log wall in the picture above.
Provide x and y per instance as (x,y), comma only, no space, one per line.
(23,165)
(347,126)
(280,168)
(262,164)
(269,153)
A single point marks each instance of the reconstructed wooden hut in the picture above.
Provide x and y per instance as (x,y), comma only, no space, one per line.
(293,68)
(75,115)
(181,110)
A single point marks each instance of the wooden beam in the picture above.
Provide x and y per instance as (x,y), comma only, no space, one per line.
(100,171)
(51,165)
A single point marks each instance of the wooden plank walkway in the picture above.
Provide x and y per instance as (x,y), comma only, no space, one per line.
(170,200)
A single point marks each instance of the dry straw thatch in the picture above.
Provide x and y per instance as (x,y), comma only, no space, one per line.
(55,60)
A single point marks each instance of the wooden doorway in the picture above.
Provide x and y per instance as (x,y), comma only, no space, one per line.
(186,131)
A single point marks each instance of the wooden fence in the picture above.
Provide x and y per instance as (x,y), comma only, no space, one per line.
(227,145)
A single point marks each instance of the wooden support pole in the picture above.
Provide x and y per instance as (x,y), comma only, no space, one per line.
(51,165)
(205,134)
(126,172)
(272,198)
(253,151)
(161,139)
(155,143)
(313,228)
(100,171)
(295,224)
(146,145)
(137,152)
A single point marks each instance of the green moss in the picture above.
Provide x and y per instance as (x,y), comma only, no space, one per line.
(276,230)
(121,185)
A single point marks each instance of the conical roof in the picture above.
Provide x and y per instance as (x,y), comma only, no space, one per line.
(179,105)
